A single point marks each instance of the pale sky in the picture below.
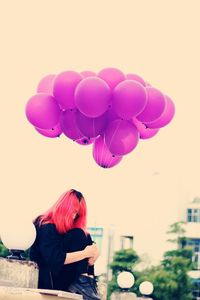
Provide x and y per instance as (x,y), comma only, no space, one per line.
(158,40)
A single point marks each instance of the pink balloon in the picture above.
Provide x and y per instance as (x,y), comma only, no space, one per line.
(121,137)
(129,99)
(69,125)
(85,141)
(92,97)
(111,115)
(91,127)
(86,74)
(64,88)
(155,106)
(42,111)
(136,78)
(144,131)
(103,157)
(111,76)
(55,131)
(166,116)
(46,84)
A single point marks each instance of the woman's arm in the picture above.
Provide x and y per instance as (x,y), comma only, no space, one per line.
(89,251)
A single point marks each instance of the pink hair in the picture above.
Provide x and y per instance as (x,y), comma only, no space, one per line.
(62,212)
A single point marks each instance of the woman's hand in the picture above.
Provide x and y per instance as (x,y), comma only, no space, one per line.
(92,260)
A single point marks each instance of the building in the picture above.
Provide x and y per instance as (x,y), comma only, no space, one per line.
(193,229)
(192,235)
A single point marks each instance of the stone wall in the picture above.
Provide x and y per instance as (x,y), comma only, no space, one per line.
(18,273)
(123,296)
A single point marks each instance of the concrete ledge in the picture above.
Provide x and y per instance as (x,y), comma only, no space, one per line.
(12,293)
(18,273)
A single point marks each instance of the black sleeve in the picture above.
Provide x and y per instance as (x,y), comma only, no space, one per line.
(90,268)
(51,250)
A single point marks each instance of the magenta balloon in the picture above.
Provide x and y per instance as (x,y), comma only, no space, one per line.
(91,127)
(111,76)
(111,115)
(69,125)
(86,74)
(42,111)
(166,116)
(103,157)
(55,131)
(144,131)
(136,78)
(155,106)
(46,84)
(64,88)
(121,137)
(92,97)
(129,99)
(85,141)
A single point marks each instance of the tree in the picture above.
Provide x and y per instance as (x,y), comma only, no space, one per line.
(3,250)
(164,282)
(178,230)
(123,260)
(170,278)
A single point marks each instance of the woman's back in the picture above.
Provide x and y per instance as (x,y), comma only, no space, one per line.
(47,252)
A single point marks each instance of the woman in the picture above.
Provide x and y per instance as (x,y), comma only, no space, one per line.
(63,249)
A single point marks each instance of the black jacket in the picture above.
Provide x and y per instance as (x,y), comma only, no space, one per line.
(47,252)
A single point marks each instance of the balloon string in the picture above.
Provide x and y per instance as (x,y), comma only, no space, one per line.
(99,154)
(96,152)
(113,137)
(93,127)
(102,152)
(110,161)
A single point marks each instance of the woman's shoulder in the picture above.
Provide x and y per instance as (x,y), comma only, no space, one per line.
(47,228)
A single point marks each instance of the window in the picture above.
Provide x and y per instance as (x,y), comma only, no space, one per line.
(193,215)
(196,289)
(195,244)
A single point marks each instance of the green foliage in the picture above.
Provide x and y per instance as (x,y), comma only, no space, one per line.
(170,278)
(3,250)
(174,258)
(123,260)
(178,230)
(164,282)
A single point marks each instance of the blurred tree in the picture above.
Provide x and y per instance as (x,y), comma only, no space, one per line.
(177,229)
(170,278)
(3,250)
(123,260)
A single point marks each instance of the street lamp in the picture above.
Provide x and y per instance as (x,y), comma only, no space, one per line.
(125,280)
(18,236)
(146,289)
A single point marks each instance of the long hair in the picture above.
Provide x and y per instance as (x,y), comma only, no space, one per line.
(62,213)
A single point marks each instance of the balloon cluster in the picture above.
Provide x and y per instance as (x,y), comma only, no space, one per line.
(109,109)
